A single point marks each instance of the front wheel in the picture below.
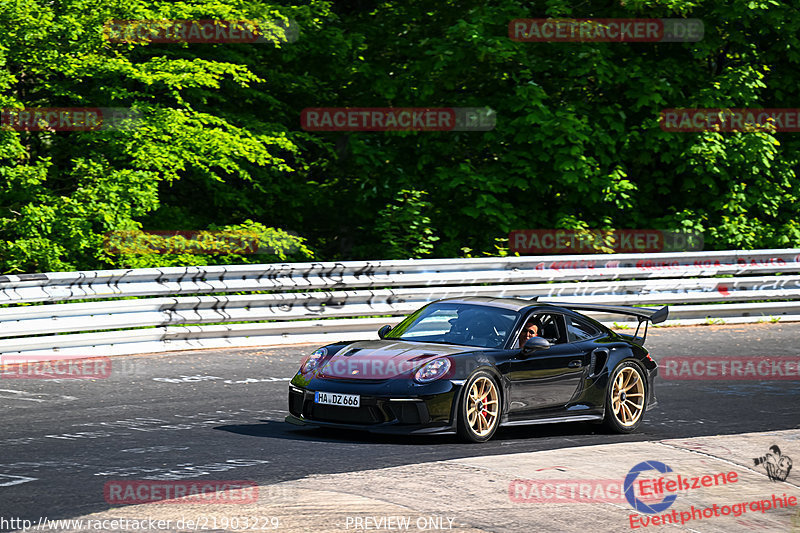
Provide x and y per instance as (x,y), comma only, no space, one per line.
(479,408)
(626,396)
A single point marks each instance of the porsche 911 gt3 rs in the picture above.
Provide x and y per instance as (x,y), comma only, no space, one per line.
(460,365)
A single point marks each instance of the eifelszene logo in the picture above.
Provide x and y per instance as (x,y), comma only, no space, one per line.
(669,487)
(630,493)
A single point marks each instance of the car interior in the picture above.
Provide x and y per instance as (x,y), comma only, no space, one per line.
(552,329)
(477,327)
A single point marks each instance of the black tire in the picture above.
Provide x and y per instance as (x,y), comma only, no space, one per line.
(483,425)
(626,398)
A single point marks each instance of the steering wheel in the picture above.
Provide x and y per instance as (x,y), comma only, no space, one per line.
(491,339)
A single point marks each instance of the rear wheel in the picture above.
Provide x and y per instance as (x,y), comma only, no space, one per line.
(626,395)
(479,408)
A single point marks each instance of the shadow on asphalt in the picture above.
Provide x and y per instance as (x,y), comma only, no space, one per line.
(282,430)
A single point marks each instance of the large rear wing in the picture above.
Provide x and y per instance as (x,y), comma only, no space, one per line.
(643,314)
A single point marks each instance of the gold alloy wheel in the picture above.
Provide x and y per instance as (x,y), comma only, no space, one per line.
(482,406)
(627,396)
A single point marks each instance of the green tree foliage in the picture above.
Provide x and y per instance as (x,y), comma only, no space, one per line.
(404,226)
(187,163)
(217,144)
(578,142)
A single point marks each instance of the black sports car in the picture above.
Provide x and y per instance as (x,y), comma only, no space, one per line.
(468,366)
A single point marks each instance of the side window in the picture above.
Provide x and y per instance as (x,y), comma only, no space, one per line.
(578,330)
(552,328)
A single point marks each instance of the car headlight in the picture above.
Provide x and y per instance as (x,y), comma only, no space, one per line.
(313,361)
(433,370)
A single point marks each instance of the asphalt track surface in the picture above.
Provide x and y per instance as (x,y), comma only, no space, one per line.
(218,415)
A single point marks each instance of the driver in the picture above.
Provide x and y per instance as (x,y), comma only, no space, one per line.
(531,329)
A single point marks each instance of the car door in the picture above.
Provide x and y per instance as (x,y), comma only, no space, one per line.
(549,379)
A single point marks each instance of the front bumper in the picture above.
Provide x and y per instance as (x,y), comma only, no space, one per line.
(430,414)
(388,428)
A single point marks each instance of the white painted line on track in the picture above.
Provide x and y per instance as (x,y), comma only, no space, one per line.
(7,480)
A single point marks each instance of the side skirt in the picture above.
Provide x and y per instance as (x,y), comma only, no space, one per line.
(553,420)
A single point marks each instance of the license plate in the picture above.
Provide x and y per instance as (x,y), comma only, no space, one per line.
(344,400)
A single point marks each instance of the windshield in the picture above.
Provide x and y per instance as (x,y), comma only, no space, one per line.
(452,323)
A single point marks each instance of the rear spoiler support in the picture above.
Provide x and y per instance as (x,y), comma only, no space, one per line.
(644,336)
(655,318)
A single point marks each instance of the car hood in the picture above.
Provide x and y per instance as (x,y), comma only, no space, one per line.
(385,359)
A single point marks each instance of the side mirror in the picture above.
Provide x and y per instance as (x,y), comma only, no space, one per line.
(535,344)
(384,330)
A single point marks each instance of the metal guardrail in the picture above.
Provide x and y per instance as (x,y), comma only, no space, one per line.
(187,308)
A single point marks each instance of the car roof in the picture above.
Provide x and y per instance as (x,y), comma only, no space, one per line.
(514,304)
